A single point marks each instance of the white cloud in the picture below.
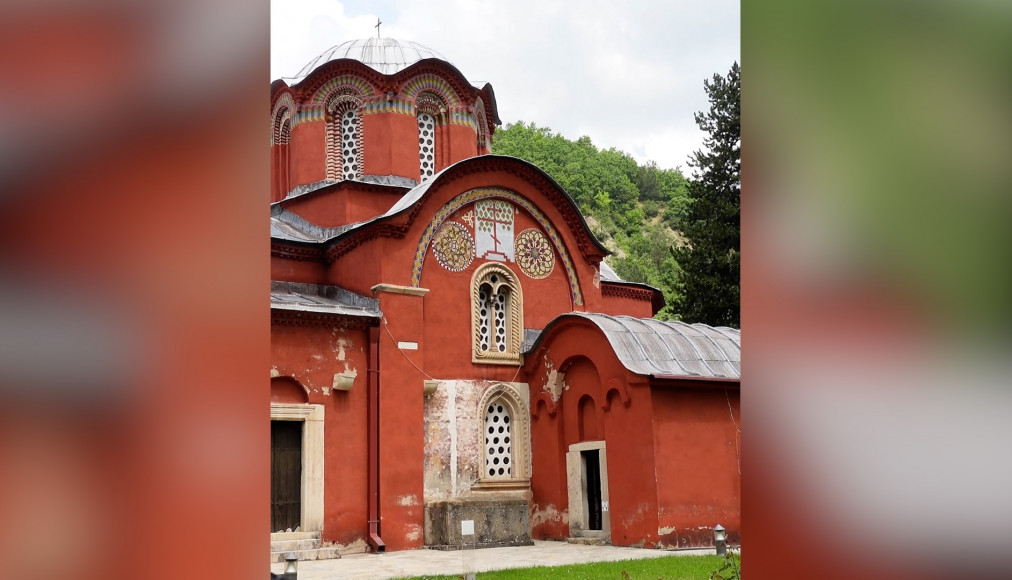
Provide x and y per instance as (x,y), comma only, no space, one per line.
(627,74)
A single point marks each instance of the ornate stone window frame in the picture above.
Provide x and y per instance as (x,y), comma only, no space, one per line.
(511,397)
(339,103)
(311,417)
(497,276)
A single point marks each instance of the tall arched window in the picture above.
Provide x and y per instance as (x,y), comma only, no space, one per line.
(496,315)
(430,111)
(344,136)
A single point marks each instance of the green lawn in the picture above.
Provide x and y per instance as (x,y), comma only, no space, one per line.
(668,568)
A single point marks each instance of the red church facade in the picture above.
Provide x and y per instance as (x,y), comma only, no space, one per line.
(448,344)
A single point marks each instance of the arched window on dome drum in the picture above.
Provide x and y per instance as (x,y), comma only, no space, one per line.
(426,145)
(344,137)
(498,441)
(429,110)
(496,316)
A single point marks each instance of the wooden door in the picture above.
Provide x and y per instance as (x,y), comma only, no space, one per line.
(286,475)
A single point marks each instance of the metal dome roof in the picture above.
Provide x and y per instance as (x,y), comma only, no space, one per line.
(386,55)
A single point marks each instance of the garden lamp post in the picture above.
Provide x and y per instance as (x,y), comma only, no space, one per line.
(291,566)
(720,539)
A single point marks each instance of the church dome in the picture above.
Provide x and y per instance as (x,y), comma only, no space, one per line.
(386,55)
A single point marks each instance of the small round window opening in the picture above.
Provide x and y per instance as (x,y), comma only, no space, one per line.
(498,446)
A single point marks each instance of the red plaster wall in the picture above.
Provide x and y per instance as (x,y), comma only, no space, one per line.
(391,145)
(697,461)
(343,204)
(401,426)
(618,305)
(308,153)
(580,350)
(462,143)
(311,357)
(298,271)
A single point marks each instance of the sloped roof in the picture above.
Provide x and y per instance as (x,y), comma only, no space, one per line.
(303,297)
(293,228)
(658,348)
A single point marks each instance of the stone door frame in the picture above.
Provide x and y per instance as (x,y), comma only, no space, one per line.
(576,483)
(311,416)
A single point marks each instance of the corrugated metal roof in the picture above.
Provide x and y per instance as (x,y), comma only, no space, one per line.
(386,55)
(652,347)
(325,299)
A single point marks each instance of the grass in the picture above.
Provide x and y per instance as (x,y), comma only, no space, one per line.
(667,568)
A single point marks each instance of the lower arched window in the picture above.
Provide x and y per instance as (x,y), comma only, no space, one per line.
(498,441)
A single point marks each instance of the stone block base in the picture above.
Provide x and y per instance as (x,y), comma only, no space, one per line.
(497,523)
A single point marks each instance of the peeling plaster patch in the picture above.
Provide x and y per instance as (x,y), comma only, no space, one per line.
(317,356)
(665,531)
(407,500)
(275,373)
(597,276)
(340,347)
(326,391)
(414,534)
(356,547)
(550,514)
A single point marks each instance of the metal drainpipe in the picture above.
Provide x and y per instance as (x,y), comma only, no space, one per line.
(374,538)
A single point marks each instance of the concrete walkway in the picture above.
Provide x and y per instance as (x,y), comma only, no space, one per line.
(424,562)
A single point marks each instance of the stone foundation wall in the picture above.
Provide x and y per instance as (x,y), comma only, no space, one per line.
(497,522)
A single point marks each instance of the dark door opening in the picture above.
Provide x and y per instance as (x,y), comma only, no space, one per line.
(286,475)
(592,471)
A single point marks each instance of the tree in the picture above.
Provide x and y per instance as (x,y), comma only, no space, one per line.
(710,263)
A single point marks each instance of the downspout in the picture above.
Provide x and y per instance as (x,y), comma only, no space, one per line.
(374,538)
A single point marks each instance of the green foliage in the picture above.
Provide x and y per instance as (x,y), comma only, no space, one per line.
(730,569)
(618,195)
(659,568)
(710,263)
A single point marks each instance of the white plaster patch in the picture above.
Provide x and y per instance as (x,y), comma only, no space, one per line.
(555,384)
(341,346)
(549,514)
(414,534)
(407,500)
(356,547)
(665,531)
(274,372)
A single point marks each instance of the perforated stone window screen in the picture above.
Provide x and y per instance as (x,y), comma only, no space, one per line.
(498,441)
(484,316)
(349,144)
(501,300)
(426,145)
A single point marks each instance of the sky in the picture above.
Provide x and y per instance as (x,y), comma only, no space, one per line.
(628,74)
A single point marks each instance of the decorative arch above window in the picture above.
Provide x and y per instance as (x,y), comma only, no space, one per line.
(497,318)
(431,113)
(481,128)
(344,135)
(282,129)
(504,438)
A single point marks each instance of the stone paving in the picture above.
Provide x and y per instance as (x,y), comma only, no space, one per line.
(424,562)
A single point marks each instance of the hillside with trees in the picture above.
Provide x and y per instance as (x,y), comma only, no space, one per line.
(637,211)
(679,235)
